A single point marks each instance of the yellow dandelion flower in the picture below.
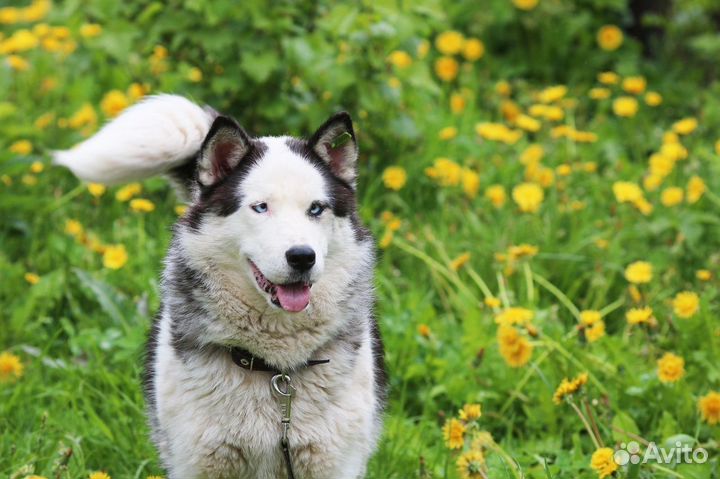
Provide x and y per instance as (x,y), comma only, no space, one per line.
(652,182)
(473,49)
(603,463)
(11,367)
(661,165)
(74,228)
(450,42)
(552,94)
(510,110)
(17,63)
(96,189)
(44,120)
(141,205)
(454,434)
(639,272)
(195,75)
(471,464)
(90,30)
(672,196)
(37,167)
(445,171)
(695,189)
(634,85)
(609,78)
(599,93)
(528,197)
(400,59)
(625,106)
(32,278)
(671,368)
(514,315)
(21,147)
(527,123)
(386,239)
(498,132)
(532,154)
(503,88)
(137,90)
(635,294)
(457,103)
(686,304)
(470,182)
(85,116)
(639,315)
(526,5)
(470,412)
(515,349)
(609,37)
(589,317)
(115,256)
(653,98)
(424,330)
(496,194)
(676,151)
(113,103)
(492,302)
(521,251)
(128,191)
(569,387)
(595,332)
(703,275)
(99,475)
(563,170)
(394,177)
(709,406)
(448,133)
(446,68)
(460,261)
(685,126)
(626,192)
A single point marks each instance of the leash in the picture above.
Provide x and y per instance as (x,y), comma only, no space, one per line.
(281,389)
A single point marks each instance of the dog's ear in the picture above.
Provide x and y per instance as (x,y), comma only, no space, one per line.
(225,145)
(334,142)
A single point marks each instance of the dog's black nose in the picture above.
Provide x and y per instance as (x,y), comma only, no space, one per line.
(301,258)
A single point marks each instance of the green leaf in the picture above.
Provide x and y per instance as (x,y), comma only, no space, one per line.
(259,66)
(624,427)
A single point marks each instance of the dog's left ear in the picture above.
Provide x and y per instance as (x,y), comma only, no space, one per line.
(334,142)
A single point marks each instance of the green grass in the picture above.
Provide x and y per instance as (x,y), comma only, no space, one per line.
(80,331)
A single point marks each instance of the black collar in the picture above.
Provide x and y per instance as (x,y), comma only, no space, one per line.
(246,360)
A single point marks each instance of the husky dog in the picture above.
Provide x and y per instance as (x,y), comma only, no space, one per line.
(265,359)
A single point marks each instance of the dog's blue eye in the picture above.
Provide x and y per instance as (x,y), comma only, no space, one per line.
(316,209)
(259,207)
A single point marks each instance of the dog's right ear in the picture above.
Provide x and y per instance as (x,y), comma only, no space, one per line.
(225,145)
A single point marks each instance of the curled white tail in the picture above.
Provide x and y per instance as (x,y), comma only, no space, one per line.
(149,138)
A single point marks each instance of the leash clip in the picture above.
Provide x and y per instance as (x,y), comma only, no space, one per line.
(284,391)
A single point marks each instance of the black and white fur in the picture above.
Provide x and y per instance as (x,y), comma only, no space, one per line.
(251,201)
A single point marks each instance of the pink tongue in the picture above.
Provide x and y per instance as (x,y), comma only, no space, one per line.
(293,297)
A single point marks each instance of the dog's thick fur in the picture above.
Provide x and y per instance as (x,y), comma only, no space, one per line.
(250,200)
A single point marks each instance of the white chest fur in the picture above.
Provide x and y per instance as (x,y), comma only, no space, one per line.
(217,420)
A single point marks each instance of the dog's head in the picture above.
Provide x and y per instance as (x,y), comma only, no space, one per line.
(277,209)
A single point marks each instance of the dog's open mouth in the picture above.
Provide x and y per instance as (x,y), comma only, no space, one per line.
(292,297)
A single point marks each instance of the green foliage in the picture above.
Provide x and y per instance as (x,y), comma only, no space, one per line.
(283,67)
